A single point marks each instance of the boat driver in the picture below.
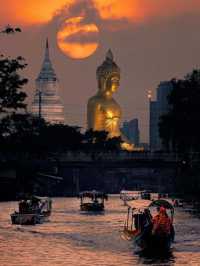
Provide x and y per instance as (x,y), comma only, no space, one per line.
(162,224)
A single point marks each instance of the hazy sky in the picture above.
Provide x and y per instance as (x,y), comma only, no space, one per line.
(152,41)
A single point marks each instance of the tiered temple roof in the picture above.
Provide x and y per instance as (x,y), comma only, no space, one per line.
(47,102)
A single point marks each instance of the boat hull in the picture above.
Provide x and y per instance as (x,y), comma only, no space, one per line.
(148,241)
(93,207)
(153,242)
(26,218)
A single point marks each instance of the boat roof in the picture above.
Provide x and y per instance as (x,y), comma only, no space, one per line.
(143,204)
(43,198)
(34,197)
(163,203)
(93,193)
(135,192)
(139,204)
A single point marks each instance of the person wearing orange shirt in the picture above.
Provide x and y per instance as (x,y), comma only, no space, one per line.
(162,223)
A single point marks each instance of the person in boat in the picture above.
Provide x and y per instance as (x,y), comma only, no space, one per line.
(35,205)
(143,223)
(148,216)
(23,206)
(162,224)
(95,201)
(175,203)
(143,227)
(147,224)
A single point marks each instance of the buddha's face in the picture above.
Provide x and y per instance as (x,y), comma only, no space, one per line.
(112,84)
(109,85)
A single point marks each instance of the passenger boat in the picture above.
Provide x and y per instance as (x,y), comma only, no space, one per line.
(139,225)
(128,195)
(92,201)
(146,195)
(34,210)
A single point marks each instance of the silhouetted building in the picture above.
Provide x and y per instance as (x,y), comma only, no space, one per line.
(157,109)
(144,145)
(131,130)
(47,103)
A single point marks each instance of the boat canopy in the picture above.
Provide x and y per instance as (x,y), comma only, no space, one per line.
(132,192)
(93,194)
(139,204)
(145,204)
(37,198)
(43,198)
(163,203)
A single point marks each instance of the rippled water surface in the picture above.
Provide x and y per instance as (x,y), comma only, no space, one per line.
(75,239)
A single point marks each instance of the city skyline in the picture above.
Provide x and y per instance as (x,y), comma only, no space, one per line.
(145,45)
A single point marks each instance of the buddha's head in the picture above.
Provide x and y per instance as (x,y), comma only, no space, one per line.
(108,75)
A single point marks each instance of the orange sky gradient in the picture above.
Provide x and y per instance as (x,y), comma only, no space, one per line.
(26,12)
(152,41)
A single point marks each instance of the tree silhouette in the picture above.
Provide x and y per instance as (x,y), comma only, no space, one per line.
(179,127)
(20,132)
(98,141)
(59,137)
(10,30)
(11,83)
(114,144)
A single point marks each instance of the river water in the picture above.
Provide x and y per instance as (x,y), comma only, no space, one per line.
(76,239)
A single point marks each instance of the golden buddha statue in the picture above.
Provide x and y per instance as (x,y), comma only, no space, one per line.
(103,112)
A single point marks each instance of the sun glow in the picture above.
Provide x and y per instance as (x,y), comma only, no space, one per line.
(76,39)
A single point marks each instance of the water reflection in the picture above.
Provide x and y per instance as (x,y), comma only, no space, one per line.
(74,238)
(164,258)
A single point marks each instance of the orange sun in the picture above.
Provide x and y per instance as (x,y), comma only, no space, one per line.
(77,39)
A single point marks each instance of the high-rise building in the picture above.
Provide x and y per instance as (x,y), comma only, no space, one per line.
(157,109)
(131,130)
(47,103)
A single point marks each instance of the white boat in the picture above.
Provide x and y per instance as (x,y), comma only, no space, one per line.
(128,195)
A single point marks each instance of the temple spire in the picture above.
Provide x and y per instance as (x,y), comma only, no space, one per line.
(47,103)
(47,50)
(47,71)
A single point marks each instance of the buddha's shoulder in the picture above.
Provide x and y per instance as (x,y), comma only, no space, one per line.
(94,100)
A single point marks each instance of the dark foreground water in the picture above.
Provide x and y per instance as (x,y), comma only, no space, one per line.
(75,239)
